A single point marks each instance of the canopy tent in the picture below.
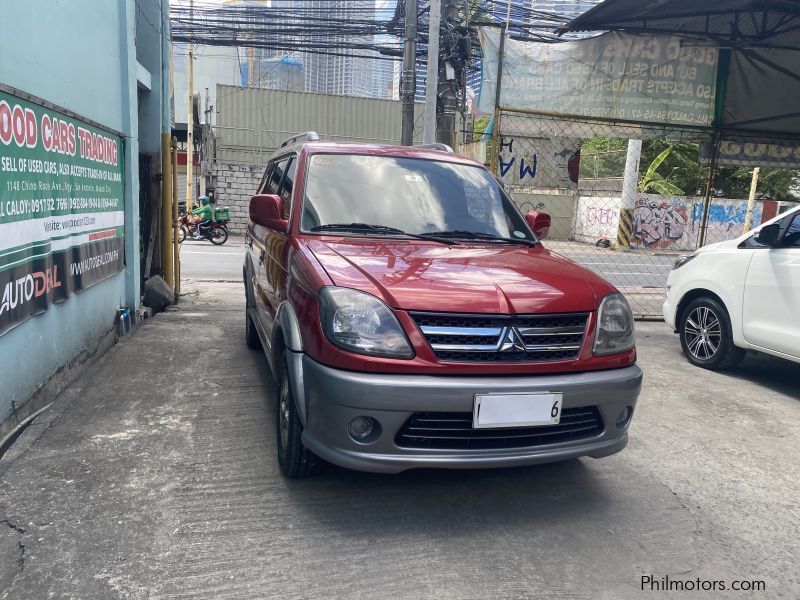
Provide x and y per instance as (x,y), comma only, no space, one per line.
(758,83)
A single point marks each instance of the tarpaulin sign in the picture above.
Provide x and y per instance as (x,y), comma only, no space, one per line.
(653,79)
(62,211)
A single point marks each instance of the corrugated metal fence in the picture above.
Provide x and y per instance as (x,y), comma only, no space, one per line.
(252,123)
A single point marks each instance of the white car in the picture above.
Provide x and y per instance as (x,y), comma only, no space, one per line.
(739,295)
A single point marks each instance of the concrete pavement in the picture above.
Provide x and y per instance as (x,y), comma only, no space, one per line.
(155,477)
(201,260)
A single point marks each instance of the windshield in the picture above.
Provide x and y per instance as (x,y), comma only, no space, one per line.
(406,194)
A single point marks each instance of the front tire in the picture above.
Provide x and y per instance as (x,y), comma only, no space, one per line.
(181,234)
(219,236)
(706,338)
(295,460)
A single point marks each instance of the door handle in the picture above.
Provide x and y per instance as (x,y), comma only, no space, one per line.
(261,257)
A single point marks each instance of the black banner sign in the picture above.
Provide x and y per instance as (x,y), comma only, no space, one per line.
(28,288)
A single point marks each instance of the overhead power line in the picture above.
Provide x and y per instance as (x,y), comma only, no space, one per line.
(340,29)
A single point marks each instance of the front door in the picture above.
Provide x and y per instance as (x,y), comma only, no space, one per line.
(771,316)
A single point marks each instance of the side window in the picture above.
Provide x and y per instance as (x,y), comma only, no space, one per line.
(792,237)
(274,180)
(262,187)
(286,187)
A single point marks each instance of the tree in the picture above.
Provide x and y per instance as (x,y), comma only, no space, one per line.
(603,158)
(681,167)
(777,184)
(653,181)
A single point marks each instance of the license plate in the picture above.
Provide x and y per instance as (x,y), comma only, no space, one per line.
(516,410)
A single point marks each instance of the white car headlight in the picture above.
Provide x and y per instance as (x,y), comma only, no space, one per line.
(359,322)
(614,326)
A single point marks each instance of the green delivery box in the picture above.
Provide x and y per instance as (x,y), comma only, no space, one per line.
(223,213)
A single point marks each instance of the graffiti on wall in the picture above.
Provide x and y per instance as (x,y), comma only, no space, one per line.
(539,162)
(596,218)
(673,222)
(516,160)
(658,223)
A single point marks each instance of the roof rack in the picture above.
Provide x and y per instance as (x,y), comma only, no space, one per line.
(308,136)
(436,146)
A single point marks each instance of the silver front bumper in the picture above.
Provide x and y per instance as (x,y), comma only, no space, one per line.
(331,398)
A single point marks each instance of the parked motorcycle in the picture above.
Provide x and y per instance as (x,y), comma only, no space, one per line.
(216,232)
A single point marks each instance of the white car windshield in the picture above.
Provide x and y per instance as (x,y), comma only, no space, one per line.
(410,195)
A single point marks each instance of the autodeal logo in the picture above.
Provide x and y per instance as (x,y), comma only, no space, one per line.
(18,292)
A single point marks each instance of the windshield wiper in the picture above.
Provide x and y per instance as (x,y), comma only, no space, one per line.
(479,235)
(367,227)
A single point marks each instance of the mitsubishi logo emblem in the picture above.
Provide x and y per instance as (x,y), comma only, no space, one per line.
(511,341)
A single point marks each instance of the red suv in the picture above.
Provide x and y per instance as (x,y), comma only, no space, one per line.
(412,317)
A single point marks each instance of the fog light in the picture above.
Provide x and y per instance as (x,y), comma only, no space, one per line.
(624,417)
(360,428)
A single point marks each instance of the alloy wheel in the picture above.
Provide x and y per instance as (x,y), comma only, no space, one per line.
(703,333)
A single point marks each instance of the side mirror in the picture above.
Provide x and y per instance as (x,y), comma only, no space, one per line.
(768,235)
(267,210)
(539,222)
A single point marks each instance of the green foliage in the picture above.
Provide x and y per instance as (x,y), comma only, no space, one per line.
(479,128)
(681,167)
(603,158)
(653,181)
(602,144)
(775,184)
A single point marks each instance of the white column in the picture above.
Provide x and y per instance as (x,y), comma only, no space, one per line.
(631,177)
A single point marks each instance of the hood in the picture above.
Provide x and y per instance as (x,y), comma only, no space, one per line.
(477,278)
(714,246)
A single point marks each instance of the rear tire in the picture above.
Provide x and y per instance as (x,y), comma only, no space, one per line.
(219,236)
(706,339)
(295,460)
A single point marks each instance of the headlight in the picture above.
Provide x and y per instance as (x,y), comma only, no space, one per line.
(359,322)
(614,326)
(682,260)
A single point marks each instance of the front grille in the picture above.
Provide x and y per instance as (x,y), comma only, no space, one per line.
(497,338)
(453,431)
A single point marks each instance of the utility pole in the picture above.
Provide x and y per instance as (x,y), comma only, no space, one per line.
(176,247)
(446,124)
(190,123)
(496,139)
(408,79)
(432,75)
